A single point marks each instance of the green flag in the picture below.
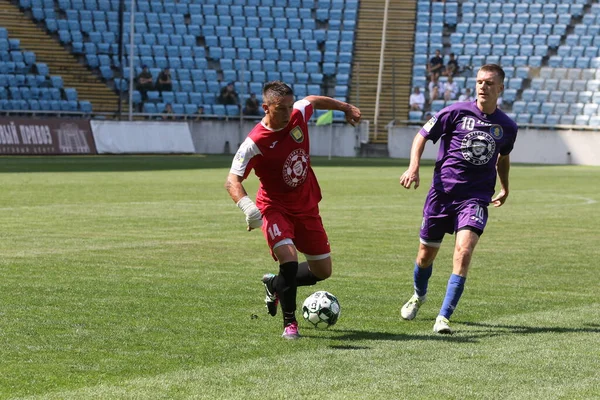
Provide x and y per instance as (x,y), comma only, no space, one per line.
(325,119)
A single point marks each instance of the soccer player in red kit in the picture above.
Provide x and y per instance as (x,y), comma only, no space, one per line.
(287,202)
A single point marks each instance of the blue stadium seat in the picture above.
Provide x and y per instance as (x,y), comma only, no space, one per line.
(547,108)
(561,108)
(576,108)
(523,118)
(542,95)
(519,106)
(552,119)
(567,120)
(415,115)
(594,120)
(150,108)
(556,96)
(538,119)
(582,119)
(590,109)
(585,97)
(533,107)
(528,95)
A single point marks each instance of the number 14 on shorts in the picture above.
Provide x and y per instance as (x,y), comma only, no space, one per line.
(273,231)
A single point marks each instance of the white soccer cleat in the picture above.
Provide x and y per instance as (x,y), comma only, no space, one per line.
(442,326)
(410,309)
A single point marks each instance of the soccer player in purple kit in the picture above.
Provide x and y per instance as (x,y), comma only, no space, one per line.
(476,140)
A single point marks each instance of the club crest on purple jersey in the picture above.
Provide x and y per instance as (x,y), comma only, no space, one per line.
(496,131)
(478,147)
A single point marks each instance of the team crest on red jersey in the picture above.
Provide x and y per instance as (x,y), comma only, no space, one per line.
(295,168)
(297,134)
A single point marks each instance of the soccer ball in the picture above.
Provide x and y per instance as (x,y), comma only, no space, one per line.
(321,309)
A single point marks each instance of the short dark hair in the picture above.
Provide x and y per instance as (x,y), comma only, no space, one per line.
(494,68)
(276,89)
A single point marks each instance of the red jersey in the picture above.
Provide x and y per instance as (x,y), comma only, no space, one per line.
(281,162)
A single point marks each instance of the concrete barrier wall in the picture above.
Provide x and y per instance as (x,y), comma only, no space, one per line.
(536,146)
(533,146)
(219,137)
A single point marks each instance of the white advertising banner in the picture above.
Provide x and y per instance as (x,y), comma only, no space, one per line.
(145,137)
(222,137)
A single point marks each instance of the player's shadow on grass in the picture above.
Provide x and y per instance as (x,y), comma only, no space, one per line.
(352,335)
(481,331)
(498,329)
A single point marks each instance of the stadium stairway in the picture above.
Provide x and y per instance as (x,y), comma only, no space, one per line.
(398,62)
(59,60)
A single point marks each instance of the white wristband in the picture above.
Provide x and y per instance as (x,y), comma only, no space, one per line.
(253,215)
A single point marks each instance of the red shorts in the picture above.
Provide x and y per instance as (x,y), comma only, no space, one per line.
(306,231)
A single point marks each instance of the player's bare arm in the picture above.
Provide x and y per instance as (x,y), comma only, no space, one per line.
(240,197)
(503,168)
(327,103)
(412,173)
(234,187)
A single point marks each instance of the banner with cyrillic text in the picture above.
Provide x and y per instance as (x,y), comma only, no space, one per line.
(32,136)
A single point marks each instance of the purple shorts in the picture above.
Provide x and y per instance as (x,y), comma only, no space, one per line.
(444,214)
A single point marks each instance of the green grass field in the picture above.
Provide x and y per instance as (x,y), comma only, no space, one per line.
(134,278)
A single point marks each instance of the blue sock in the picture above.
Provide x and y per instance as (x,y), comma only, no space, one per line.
(456,285)
(421,277)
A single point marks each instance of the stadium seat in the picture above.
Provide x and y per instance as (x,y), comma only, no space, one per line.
(547,108)
(538,119)
(561,108)
(523,118)
(519,107)
(437,105)
(567,120)
(585,97)
(552,119)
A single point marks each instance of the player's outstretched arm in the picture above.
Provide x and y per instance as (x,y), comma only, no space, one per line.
(412,173)
(327,103)
(238,194)
(503,168)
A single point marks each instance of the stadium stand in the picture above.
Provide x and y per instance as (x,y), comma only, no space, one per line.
(550,51)
(53,59)
(26,84)
(206,44)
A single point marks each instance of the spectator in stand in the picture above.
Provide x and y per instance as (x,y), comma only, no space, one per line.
(452,68)
(436,65)
(168,113)
(228,95)
(144,82)
(164,84)
(450,89)
(466,96)
(436,89)
(252,106)
(417,100)
(199,113)
(435,82)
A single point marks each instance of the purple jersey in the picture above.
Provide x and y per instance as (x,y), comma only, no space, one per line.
(470,143)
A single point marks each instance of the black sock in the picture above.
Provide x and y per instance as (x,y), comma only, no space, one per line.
(305,277)
(286,288)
